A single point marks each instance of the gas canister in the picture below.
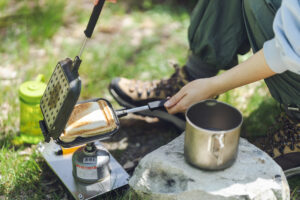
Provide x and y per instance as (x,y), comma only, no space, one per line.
(90,164)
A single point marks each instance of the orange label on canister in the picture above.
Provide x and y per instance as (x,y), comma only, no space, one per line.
(85,167)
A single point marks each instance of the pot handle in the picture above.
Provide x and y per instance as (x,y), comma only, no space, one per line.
(216,144)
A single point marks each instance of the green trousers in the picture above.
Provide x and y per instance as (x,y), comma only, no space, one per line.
(220,30)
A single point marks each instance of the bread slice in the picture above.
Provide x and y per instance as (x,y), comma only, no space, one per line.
(89,119)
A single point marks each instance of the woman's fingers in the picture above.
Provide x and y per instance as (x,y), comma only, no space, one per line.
(191,93)
(175,99)
(179,107)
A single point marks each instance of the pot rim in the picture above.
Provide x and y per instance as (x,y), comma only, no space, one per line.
(213,131)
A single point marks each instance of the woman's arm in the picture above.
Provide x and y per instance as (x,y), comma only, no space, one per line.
(254,69)
(278,55)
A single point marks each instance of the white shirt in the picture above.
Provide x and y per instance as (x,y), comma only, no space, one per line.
(282,53)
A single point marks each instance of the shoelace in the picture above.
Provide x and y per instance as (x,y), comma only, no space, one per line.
(285,134)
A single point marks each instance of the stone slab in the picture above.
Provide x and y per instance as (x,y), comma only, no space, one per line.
(164,174)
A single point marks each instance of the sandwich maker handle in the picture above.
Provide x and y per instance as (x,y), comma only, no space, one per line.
(94,18)
(154,105)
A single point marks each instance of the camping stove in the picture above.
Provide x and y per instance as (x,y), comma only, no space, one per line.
(89,172)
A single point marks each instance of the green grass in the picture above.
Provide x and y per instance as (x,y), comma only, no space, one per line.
(19,173)
(295,187)
(22,174)
(135,39)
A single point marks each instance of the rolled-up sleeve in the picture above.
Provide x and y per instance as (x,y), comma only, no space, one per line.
(283,51)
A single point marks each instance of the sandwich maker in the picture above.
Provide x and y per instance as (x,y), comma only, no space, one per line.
(63,88)
(155,105)
(94,170)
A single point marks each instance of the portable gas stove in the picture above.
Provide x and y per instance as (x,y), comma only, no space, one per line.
(89,181)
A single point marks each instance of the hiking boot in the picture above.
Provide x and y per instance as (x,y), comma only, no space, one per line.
(132,93)
(283,143)
(136,92)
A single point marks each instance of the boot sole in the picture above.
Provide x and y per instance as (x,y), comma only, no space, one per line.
(292,172)
(179,123)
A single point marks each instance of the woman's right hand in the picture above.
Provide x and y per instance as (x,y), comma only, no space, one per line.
(253,69)
(191,93)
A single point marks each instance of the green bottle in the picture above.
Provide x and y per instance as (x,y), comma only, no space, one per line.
(30,94)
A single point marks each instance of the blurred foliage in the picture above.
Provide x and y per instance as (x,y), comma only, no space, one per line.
(35,19)
(49,15)
(23,23)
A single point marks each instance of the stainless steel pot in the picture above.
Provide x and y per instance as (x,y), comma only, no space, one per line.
(212,134)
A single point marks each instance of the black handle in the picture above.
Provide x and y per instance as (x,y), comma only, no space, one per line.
(94,18)
(155,105)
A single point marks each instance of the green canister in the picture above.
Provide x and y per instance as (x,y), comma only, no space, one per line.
(30,94)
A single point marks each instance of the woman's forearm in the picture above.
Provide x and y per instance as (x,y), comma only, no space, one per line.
(253,69)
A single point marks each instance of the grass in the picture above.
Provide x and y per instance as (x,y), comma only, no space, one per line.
(294,184)
(135,39)
(20,174)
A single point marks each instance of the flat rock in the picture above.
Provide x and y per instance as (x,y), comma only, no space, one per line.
(164,174)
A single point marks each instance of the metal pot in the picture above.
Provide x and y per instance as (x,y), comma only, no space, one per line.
(212,134)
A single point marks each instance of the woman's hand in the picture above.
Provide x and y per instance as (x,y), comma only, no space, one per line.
(254,69)
(191,93)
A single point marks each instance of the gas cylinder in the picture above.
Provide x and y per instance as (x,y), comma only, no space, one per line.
(90,164)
